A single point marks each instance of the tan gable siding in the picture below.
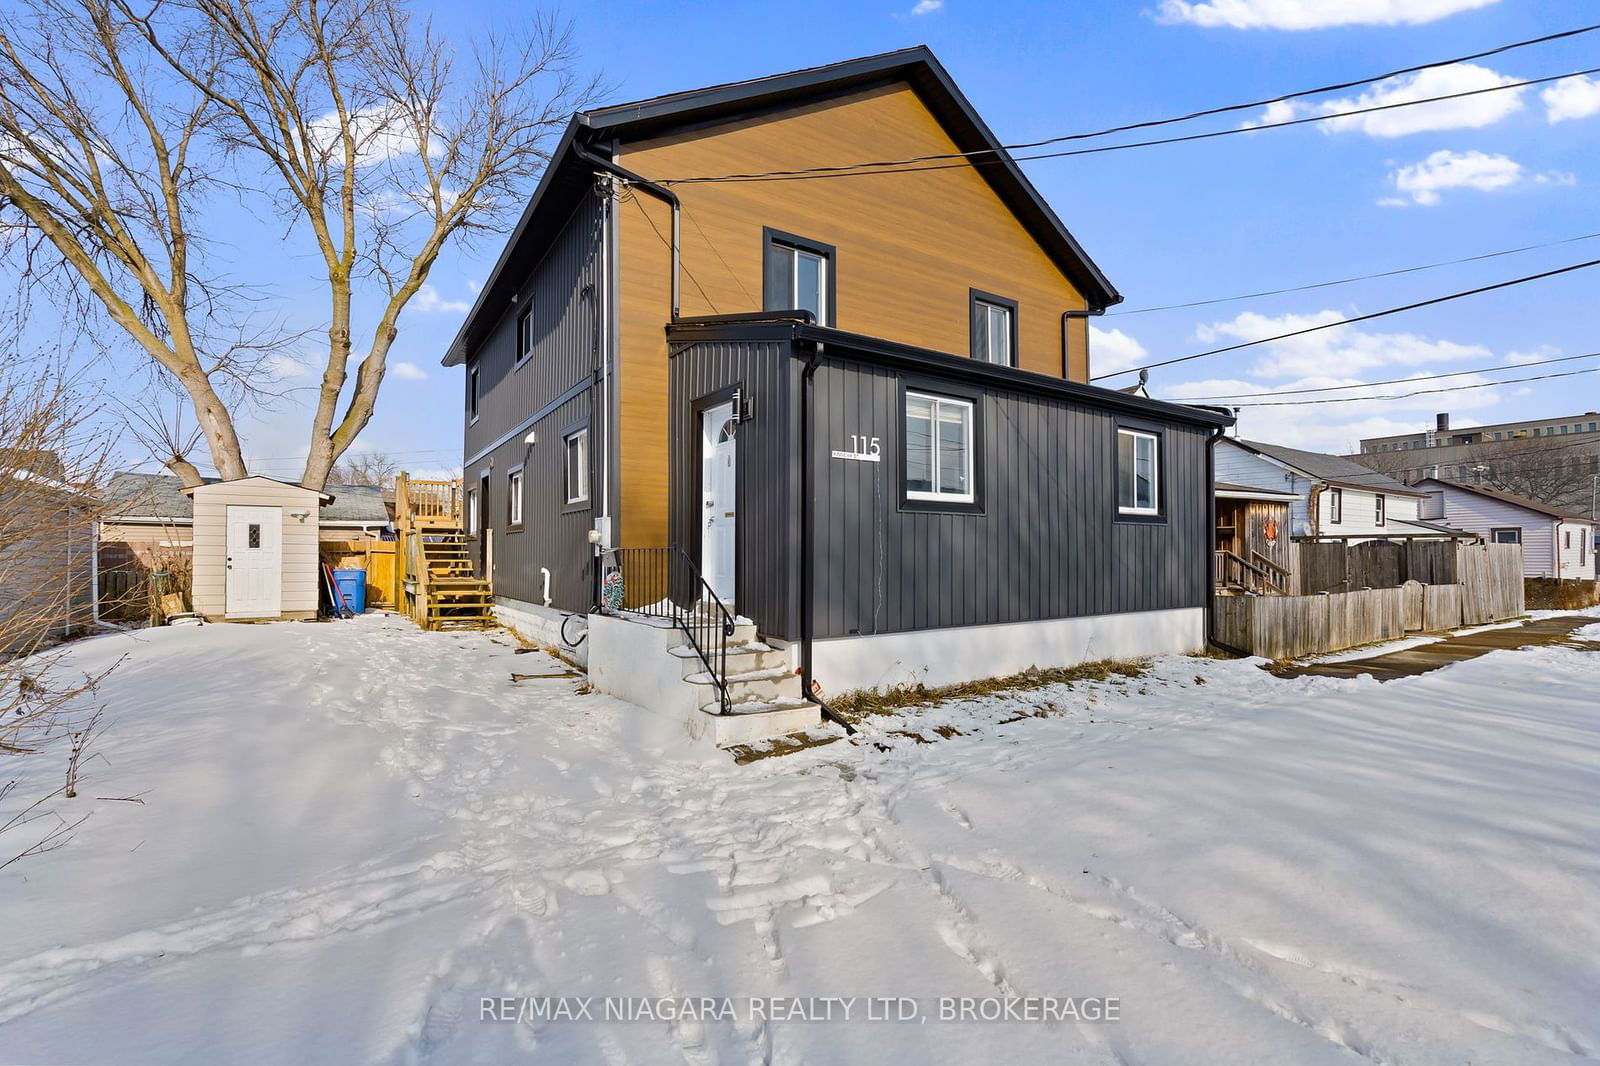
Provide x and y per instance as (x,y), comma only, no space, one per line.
(300,544)
(911,247)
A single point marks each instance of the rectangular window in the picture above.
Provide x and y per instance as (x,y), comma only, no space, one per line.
(1568,543)
(1506,536)
(577,466)
(514,497)
(1138,472)
(1594,427)
(472,512)
(994,328)
(1566,429)
(524,335)
(799,276)
(472,394)
(939,448)
(1377,510)
(1335,506)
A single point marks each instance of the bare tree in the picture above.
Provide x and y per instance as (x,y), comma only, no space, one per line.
(127,127)
(49,462)
(1559,475)
(366,468)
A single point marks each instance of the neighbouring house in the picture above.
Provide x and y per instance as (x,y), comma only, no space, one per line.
(46,554)
(854,411)
(272,530)
(1334,497)
(1555,543)
(1254,545)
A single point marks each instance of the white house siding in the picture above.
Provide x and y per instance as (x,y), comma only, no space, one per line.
(1484,514)
(300,551)
(1574,541)
(1236,466)
(1359,514)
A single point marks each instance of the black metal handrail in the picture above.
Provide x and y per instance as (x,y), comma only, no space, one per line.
(665,583)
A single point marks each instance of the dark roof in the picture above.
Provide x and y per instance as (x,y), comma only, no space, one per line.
(1224,488)
(133,495)
(1506,497)
(1331,468)
(567,177)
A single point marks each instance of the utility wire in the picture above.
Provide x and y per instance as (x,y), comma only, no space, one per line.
(848,168)
(1356,318)
(1417,392)
(1227,397)
(1359,277)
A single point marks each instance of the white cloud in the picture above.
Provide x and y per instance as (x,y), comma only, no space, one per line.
(1467,112)
(382,133)
(1111,350)
(1337,427)
(1311,14)
(408,371)
(280,366)
(1571,98)
(1534,355)
(428,301)
(1422,182)
(1345,347)
(927,7)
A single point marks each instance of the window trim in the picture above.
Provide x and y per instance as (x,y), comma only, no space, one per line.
(771,237)
(1495,531)
(474,393)
(1380,509)
(1335,505)
(472,507)
(570,502)
(516,498)
(524,319)
(944,503)
(975,297)
(1140,428)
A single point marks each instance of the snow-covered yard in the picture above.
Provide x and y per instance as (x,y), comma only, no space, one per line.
(354,833)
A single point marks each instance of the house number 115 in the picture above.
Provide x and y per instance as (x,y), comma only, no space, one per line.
(863,449)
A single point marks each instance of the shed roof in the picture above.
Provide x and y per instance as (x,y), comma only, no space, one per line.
(1331,468)
(1251,492)
(162,496)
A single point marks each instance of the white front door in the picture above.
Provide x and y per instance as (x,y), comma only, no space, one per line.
(718,480)
(255,562)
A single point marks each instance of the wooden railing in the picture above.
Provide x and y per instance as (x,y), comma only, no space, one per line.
(427,503)
(1230,571)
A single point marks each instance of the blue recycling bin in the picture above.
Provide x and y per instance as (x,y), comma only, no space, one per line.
(352,586)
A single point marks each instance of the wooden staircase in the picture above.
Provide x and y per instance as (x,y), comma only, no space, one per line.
(441,590)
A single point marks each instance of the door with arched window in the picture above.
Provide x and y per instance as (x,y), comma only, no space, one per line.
(719,479)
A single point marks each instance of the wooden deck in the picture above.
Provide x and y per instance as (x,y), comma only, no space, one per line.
(1426,657)
(439,588)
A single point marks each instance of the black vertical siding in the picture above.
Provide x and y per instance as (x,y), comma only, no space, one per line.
(767,580)
(564,291)
(1047,543)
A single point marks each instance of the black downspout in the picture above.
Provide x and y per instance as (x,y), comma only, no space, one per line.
(807,544)
(660,192)
(1066,341)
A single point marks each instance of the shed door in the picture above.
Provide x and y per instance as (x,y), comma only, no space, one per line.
(719,478)
(255,562)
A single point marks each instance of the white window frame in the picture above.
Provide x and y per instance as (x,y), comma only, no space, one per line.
(524,335)
(1335,506)
(937,495)
(578,438)
(474,393)
(472,512)
(987,309)
(1380,510)
(1155,472)
(794,252)
(514,493)
(1494,534)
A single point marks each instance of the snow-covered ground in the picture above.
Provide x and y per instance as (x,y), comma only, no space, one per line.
(354,833)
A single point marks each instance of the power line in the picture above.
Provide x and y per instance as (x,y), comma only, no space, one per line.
(1359,277)
(1416,392)
(1357,318)
(965,158)
(1227,397)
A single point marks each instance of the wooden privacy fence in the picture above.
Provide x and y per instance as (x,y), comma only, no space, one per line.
(1291,627)
(1333,566)
(376,557)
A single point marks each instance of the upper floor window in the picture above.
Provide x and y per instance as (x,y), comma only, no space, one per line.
(472,394)
(799,276)
(994,328)
(939,449)
(524,335)
(1378,510)
(1335,506)
(1138,472)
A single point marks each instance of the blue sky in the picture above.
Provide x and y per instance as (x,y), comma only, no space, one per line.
(1183,222)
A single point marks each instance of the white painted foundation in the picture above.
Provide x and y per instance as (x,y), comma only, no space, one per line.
(967,653)
(539,624)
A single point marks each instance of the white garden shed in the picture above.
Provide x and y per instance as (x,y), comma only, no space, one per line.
(255,549)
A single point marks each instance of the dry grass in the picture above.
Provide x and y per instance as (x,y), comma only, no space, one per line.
(1547,594)
(861,703)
